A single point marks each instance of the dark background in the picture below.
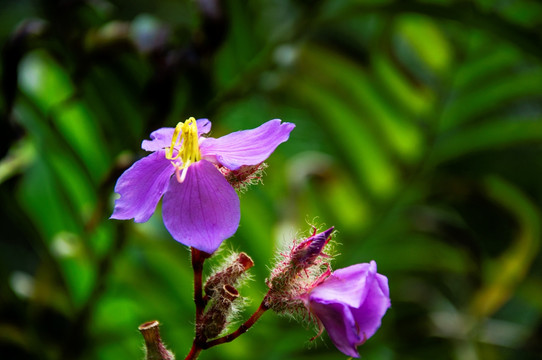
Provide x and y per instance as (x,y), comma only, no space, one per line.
(419,137)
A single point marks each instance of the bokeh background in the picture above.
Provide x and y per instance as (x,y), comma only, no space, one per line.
(419,137)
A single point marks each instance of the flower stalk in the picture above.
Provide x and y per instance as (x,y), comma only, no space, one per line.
(198,257)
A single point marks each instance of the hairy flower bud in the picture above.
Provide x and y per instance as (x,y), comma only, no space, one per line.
(216,318)
(294,275)
(230,275)
(306,253)
(240,179)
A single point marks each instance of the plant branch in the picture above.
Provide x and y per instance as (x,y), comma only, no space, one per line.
(194,351)
(198,257)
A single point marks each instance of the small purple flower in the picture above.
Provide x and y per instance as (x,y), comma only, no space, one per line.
(200,208)
(350,303)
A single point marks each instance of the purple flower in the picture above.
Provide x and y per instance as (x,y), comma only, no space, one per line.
(350,303)
(200,208)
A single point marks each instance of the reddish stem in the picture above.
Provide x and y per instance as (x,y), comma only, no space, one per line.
(241,330)
(198,257)
(194,352)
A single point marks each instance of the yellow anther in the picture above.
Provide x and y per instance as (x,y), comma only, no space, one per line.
(185,136)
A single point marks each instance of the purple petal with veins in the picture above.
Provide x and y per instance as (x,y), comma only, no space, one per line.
(247,147)
(141,187)
(203,210)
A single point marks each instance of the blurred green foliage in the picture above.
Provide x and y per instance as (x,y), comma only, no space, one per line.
(419,137)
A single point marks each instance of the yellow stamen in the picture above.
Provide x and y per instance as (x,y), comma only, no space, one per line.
(186,136)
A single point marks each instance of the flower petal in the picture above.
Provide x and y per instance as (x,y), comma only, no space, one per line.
(161,138)
(204,126)
(369,315)
(340,326)
(247,147)
(203,210)
(141,187)
(348,285)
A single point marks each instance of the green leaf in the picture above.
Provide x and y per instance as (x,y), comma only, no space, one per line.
(493,134)
(424,36)
(504,274)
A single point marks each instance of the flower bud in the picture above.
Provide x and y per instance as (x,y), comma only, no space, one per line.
(245,176)
(230,275)
(294,275)
(306,253)
(216,318)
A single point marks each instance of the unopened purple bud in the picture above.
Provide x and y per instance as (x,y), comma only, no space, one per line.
(304,254)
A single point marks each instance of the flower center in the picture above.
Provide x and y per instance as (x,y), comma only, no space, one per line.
(185,136)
